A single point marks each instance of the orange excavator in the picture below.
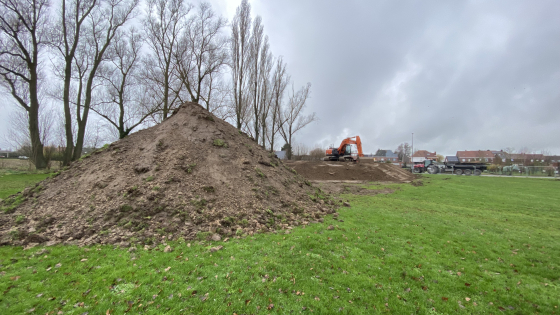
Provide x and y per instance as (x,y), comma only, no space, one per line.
(349,150)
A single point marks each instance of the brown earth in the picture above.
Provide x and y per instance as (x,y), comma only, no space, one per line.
(342,171)
(192,176)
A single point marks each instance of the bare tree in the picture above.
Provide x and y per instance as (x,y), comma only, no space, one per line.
(317,153)
(201,53)
(403,152)
(23,35)
(18,134)
(73,15)
(124,106)
(239,49)
(260,68)
(102,27)
(280,80)
(217,97)
(164,23)
(299,150)
(292,118)
(266,90)
(255,47)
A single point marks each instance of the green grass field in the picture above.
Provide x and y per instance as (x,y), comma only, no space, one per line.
(12,182)
(469,245)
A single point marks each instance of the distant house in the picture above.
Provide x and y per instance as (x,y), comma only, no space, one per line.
(475,156)
(527,159)
(553,160)
(280,154)
(6,153)
(500,156)
(386,155)
(422,155)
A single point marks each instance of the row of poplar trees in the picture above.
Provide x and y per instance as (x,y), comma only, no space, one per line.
(131,63)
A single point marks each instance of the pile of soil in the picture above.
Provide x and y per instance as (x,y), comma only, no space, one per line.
(342,171)
(192,176)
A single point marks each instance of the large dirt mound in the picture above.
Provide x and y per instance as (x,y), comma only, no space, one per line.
(192,176)
(341,171)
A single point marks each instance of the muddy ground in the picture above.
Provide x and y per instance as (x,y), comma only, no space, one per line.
(365,170)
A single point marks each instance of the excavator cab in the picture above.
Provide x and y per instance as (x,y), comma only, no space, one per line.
(351,151)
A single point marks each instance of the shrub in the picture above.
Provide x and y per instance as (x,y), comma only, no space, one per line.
(10,204)
(220,143)
(209,189)
(20,219)
(259,172)
(203,235)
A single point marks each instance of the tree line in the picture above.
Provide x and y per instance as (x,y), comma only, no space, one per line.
(130,63)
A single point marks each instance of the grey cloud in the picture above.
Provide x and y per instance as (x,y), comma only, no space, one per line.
(460,75)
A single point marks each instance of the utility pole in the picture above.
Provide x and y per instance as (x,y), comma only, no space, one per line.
(412,152)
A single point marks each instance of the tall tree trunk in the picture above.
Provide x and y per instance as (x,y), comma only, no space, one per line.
(166,96)
(36,144)
(82,123)
(67,157)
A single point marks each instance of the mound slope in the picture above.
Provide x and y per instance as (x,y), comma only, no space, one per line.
(191,176)
(365,170)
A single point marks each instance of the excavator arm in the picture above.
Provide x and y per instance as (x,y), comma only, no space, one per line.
(352,140)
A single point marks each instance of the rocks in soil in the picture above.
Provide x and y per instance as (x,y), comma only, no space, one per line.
(167,249)
(35,238)
(346,204)
(167,179)
(330,227)
(216,248)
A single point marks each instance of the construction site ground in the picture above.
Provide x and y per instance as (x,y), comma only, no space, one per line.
(350,172)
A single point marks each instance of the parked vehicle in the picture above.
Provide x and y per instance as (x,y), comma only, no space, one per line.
(428,166)
(350,149)
(456,168)
(22,157)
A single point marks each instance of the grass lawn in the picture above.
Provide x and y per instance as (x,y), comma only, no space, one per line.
(12,182)
(457,244)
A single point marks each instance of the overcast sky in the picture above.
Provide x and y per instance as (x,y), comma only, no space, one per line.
(460,75)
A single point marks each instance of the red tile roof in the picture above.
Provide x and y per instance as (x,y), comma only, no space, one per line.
(424,154)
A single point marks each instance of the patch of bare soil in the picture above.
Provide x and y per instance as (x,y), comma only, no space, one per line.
(340,171)
(192,176)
